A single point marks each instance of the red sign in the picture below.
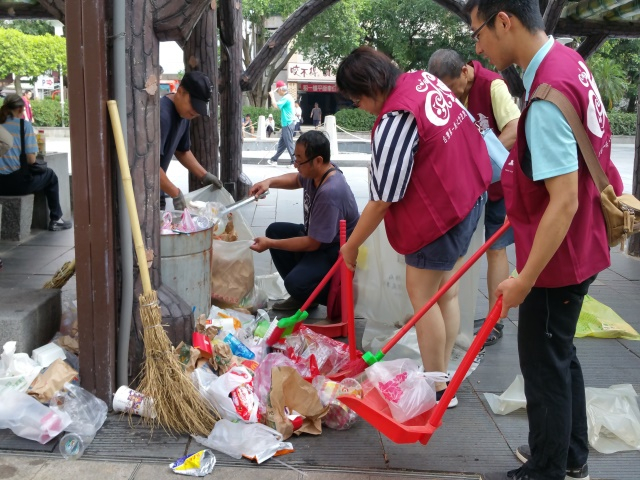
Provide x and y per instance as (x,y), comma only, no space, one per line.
(318,87)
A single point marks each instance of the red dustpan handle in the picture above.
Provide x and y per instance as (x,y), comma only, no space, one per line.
(477,344)
(455,277)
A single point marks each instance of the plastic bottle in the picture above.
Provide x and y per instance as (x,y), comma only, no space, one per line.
(71,446)
(238,348)
(42,150)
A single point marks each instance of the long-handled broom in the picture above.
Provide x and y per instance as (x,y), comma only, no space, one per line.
(178,405)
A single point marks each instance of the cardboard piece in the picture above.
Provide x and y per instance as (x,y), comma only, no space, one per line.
(290,390)
(52,380)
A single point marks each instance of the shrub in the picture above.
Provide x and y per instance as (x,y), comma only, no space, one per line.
(355,120)
(622,123)
(47,113)
(255,112)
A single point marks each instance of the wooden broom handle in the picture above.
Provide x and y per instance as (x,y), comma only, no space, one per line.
(128,193)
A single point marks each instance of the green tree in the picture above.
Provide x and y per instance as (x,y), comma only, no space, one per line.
(610,78)
(30,27)
(30,55)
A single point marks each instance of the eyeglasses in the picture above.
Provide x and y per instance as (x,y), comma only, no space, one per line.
(474,35)
(296,163)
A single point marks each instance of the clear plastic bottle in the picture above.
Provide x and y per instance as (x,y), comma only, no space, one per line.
(71,446)
(238,348)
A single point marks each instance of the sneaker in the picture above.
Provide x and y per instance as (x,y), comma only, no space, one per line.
(291,304)
(523,452)
(519,474)
(60,224)
(452,404)
(273,163)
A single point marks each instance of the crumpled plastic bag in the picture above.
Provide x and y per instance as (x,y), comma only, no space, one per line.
(613,418)
(319,354)
(273,285)
(598,320)
(254,441)
(87,412)
(407,391)
(511,400)
(199,464)
(17,370)
(28,418)
(233,395)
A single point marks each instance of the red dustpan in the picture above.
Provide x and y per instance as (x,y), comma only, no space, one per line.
(374,409)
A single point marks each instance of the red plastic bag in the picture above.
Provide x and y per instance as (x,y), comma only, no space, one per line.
(320,355)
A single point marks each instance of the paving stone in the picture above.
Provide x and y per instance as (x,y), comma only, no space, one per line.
(14,467)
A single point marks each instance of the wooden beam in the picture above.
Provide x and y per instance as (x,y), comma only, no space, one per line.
(454,6)
(552,14)
(92,193)
(291,26)
(585,28)
(624,12)
(176,20)
(55,8)
(585,9)
(590,45)
(634,242)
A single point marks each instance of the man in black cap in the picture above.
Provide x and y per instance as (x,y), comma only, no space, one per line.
(176,111)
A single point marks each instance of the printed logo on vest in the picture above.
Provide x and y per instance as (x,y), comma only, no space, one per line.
(439,99)
(595,111)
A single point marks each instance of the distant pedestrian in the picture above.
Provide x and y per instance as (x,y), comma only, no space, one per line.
(287,121)
(298,113)
(28,112)
(271,125)
(316,115)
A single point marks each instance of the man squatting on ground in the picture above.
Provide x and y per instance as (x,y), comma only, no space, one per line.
(304,253)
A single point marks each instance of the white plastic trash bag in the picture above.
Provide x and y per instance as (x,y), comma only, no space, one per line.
(233,396)
(613,418)
(273,285)
(239,439)
(511,400)
(28,418)
(408,391)
(17,370)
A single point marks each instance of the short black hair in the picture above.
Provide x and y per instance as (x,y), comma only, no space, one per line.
(316,144)
(445,63)
(527,11)
(366,71)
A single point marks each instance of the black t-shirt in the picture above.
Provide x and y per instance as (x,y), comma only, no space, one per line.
(174,132)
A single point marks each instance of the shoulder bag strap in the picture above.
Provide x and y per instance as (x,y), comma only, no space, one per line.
(550,94)
(23,156)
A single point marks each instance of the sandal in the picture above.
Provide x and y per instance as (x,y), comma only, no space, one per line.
(495,335)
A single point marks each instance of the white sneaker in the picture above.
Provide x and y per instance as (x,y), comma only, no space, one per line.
(273,163)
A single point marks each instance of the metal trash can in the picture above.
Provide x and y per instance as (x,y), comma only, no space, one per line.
(186,267)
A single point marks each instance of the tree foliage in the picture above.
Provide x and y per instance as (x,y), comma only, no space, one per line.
(30,55)
(30,27)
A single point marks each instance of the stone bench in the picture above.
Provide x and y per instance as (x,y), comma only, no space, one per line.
(17,215)
(31,317)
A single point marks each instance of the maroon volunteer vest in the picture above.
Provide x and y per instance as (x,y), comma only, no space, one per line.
(584,252)
(451,167)
(479,104)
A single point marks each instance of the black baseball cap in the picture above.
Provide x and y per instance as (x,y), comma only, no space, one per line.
(199,87)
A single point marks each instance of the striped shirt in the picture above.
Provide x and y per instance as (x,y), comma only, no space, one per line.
(395,142)
(10,161)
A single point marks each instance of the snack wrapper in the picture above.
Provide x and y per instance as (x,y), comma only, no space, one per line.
(196,465)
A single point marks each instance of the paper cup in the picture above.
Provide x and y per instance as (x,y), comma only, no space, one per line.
(129,401)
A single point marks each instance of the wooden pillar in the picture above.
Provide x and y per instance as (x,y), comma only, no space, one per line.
(230,20)
(201,53)
(88,61)
(634,242)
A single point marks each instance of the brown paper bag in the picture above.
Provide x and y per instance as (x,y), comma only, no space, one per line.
(52,380)
(289,389)
(187,356)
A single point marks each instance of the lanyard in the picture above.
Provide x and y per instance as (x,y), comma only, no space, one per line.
(306,223)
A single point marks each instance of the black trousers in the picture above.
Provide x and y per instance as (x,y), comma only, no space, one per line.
(301,271)
(17,183)
(553,383)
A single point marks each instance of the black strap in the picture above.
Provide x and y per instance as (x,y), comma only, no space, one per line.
(24,165)
(306,223)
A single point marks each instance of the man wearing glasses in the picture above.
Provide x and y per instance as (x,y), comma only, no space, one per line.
(560,236)
(304,253)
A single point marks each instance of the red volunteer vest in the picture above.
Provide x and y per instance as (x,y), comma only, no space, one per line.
(479,104)
(451,167)
(584,252)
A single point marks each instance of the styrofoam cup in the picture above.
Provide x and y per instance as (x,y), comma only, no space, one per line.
(129,401)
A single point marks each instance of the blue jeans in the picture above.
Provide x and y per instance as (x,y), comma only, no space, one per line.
(301,271)
(285,143)
(553,383)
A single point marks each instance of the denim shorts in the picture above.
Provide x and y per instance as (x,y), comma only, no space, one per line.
(443,253)
(494,213)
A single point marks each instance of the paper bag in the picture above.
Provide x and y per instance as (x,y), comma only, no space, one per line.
(52,380)
(187,356)
(290,390)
